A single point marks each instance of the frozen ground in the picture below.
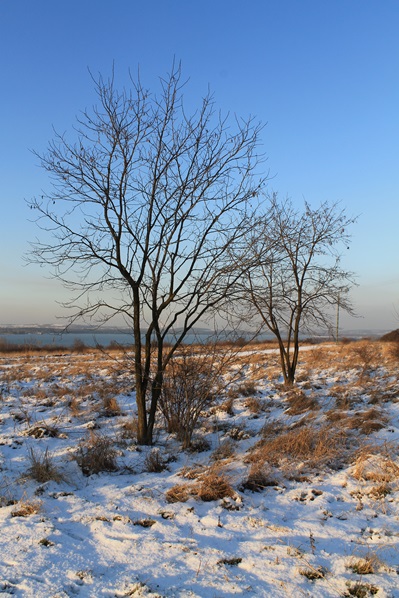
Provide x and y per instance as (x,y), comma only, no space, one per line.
(323,521)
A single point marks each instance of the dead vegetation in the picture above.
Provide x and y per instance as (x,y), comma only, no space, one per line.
(95,454)
(27,507)
(212,484)
(309,446)
(42,468)
(273,438)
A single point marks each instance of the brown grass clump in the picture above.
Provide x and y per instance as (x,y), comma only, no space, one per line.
(227,405)
(96,454)
(178,493)
(299,402)
(314,446)
(129,429)
(254,405)
(43,430)
(364,565)
(373,465)
(111,406)
(74,407)
(42,468)
(247,389)
(213,486)
(380,491)
(27,508)
(360,590)
(368,421)
(313,573)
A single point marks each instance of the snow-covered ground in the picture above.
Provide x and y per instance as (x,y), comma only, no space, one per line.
(323,459)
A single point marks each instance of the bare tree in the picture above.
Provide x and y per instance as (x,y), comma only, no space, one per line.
(143,208)
(292,275)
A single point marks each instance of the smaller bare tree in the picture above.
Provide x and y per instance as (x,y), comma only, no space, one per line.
(292,275)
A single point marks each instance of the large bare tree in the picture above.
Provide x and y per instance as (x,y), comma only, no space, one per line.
(292,278)
(144,205)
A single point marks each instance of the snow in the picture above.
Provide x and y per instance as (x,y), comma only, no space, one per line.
(115,534)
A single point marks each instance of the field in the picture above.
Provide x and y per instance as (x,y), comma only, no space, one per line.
(282,491)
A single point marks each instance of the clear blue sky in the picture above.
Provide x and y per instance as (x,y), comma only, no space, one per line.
(323,75)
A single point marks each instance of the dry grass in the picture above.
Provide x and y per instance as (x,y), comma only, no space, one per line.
(299,402)
(96,454)
(211,485)
(227,405)
(225,450)
(368,421)
(247,389)
(391,352)
(375,464)
(43,430)
(254,405)
(366,565)
(313,573)
(307,444)
(259,477)
(364,355)
(42,468)
(26,508)
(129,429)
(360,590)
(178,493)
(111,406)
(154,462)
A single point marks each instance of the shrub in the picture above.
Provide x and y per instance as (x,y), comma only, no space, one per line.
(366,354)
(154,462)
(188,389)
(96,454)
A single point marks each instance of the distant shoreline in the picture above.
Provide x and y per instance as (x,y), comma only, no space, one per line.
(52,337)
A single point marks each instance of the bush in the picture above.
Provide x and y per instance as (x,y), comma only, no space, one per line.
(188,389)
(154,462)
(96,454)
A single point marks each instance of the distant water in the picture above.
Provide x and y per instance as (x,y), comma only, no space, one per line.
(91,339)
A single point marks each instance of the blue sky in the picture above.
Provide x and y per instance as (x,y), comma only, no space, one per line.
(323,76)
